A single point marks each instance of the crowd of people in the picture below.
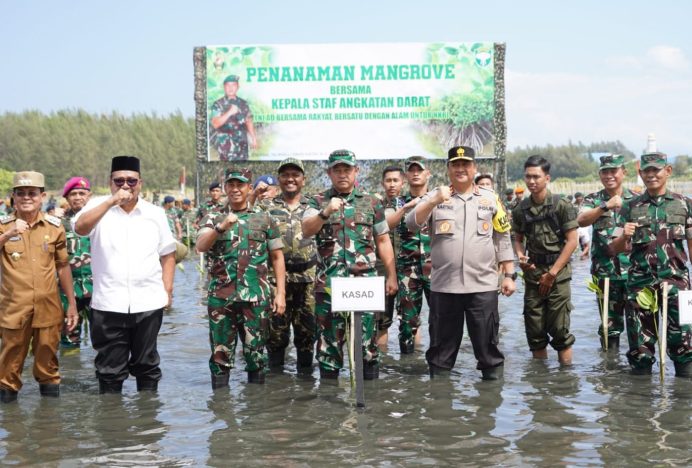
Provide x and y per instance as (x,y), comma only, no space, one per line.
(272,251)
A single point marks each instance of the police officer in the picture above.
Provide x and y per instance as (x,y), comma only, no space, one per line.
(469,235)
(350,229)
(413,264)
(392,183)
(548,223)
(33,251)
(658,223)
(242,242)
(231,122)
(77,191)
(602,211)
(300,257)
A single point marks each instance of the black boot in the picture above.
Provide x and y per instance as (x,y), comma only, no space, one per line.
(683,370)
(613,342)
(304,359)
(110,387)
(255,377)
(7,396)
(49,390)
(641,370)
(436,371)
(276,358)
(219,381)
(147,385)
(406,348)
(371,371)
(493,373)
(331,374)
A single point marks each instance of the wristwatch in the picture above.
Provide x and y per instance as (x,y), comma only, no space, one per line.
(603,206)
(322,216)
(511,275)
(218,229)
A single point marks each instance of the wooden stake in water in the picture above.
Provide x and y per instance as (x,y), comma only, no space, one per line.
(663,331)
(604,312)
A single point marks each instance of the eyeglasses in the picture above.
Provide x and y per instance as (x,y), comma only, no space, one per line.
(120,181)
(27,193)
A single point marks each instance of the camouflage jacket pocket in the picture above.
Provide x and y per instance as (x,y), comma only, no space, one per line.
(643,234)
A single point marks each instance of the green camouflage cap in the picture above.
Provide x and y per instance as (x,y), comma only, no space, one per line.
(291,162)
(657,160)
(28,179)
(417,160)
(242,174)
(342,156)
(612,161)
(231,79)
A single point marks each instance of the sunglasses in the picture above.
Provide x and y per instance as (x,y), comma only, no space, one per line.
(120,181)
(27,193)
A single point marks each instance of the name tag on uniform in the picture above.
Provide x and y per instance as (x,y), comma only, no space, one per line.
(685,307)
(363,294)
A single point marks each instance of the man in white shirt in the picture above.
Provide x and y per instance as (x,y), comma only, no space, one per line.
(133,264)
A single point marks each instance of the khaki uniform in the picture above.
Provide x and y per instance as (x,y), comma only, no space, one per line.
(29,302)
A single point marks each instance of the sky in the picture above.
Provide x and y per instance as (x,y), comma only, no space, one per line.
(575,70)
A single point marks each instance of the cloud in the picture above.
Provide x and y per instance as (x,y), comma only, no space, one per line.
(672,58)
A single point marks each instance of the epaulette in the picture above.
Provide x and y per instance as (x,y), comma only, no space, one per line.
(53,220)
(7,219)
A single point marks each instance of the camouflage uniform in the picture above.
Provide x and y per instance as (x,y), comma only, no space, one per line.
(208,208)
(385,319)
(604,264)
(543,227)
(413,266)
(658,255)
(230,140)
(346,246)
(79,253)
(187,222)
(239,290)
(173,219)
(300,257)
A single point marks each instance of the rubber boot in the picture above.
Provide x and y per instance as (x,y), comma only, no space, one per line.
(256,377)
(219,381)
(49,390)
(276,358)
(147,385)
(304,359)
(493,373)
(371,371)
(406,348)
(641,370)
(331,374)
(613,342)
(683,370)
(436,371)
(110,387)
(7,396)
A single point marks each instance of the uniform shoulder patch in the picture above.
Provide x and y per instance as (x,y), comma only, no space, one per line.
(53,220)
(7,219)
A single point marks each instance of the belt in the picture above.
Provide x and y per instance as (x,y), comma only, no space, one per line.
(298,267)
(543,259)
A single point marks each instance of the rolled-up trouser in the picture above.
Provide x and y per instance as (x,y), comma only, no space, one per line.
(446,325)
(14,347)
(546,318)
(126,344)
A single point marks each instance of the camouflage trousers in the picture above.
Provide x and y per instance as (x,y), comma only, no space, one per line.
(229,321)
(332,334)
(412,285)
(617,297)
(642,330)
(300,312)
(74,338)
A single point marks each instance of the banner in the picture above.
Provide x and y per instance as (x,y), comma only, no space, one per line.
(382,101)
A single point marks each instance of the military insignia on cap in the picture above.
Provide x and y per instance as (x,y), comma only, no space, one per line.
(460,151)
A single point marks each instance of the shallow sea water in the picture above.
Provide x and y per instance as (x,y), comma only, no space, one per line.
(593,413)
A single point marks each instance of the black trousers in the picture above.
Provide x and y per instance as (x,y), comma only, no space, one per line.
(446,323)
(126,344)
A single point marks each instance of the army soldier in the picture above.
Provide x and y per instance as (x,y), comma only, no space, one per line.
(265,188)
(548,224)
(469,235)
(351,229)
(509,197)
(77,192)
(413,264)
(242,241)
(300,257)
(602,211)
(172,217)
(212,205)
(187,223)
(231,122)
(658,223)
(33,251)
(518,197)
(392,183)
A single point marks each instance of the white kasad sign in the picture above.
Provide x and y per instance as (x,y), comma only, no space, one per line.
(685,307)
(364,294)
